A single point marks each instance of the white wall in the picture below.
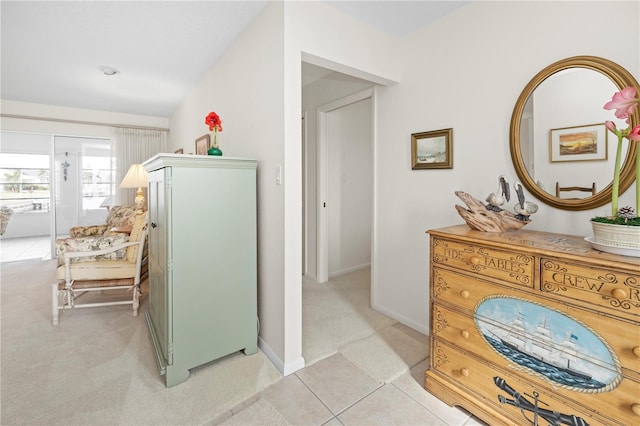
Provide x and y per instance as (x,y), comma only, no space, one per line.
(256,89)
(325,37)
(463,71)
(246,88)
(466,72)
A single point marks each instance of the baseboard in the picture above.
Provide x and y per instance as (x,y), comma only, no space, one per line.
(312,277)
(422,328)
(349,270)
(284,369)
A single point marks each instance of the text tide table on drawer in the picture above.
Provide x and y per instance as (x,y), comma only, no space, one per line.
(528,323)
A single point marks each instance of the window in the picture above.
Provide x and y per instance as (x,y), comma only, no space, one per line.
(25,183)
(98,181)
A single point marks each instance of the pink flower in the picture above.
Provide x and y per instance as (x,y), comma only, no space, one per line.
(624,102)
(611,126)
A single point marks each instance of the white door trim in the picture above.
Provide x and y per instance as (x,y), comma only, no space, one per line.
(305,203)
(322,247)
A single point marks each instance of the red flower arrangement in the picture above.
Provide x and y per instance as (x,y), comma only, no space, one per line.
(215,125)
(213,121)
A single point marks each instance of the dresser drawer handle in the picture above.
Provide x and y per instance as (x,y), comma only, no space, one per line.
(619,293)
(636,351)
(464,294)
(464,334)
(474,260)
(464,372)
(636,409)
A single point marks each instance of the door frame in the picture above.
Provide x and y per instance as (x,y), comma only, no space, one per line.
(305,206)
(322,225)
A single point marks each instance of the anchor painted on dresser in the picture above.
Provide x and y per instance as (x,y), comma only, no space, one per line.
(519,401)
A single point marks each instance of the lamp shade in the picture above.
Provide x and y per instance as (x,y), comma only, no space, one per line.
(136,177)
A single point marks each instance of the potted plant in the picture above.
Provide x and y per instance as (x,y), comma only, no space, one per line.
(622,228)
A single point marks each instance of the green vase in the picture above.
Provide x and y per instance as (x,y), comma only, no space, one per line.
(214,151)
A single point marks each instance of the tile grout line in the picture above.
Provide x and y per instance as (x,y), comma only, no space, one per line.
(420,404)
(380,385)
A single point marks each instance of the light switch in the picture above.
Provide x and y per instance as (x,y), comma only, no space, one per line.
(279,175)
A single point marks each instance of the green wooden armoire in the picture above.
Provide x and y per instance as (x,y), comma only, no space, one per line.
(202,260)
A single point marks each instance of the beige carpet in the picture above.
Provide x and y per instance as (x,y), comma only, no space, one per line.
(97,367)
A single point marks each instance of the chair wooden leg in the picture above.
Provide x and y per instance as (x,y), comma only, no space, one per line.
(136,300)
(55,298)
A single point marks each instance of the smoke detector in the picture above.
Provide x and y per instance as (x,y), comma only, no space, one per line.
(108,70)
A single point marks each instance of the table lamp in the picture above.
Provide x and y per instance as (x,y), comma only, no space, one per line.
(136,177)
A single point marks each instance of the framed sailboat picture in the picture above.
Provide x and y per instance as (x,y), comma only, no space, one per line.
(432,150)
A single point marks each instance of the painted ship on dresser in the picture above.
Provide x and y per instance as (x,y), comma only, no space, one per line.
(540,345)
(547,343)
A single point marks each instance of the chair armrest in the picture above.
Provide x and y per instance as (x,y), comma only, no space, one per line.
(68,255)
(80,254)
(91,245)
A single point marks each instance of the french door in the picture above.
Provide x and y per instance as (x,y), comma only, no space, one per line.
(84,170)
(52,183)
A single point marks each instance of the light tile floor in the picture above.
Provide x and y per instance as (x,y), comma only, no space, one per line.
(334,391)
(373,377)
(14,249)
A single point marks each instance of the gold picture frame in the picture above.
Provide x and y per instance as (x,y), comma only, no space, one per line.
(578,143)
(203,143)
(432,150)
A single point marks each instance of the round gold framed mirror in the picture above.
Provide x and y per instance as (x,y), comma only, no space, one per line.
(536,159)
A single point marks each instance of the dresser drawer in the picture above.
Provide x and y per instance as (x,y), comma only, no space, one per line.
(475,375)
(511,267)
(464,294)
(460,330)
(457,289)
(610,290)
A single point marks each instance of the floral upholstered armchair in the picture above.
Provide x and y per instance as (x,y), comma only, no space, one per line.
(118,216)
(93,265)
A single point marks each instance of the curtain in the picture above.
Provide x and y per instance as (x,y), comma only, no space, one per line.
(134,146)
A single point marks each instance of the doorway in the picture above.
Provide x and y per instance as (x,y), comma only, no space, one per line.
(345,149)
(85,181)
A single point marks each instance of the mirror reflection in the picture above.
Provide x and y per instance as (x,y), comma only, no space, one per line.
(575,159)
(557,136)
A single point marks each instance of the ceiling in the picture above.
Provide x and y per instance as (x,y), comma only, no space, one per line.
(52,50)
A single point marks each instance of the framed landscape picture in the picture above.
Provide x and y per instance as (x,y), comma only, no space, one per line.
(579,143)
(432,150)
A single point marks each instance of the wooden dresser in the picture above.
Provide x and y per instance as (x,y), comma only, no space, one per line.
(532,324)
